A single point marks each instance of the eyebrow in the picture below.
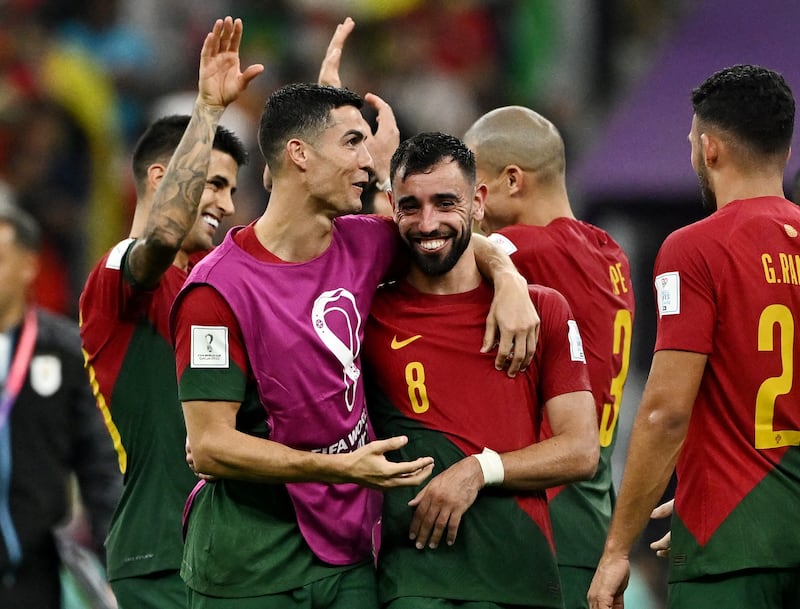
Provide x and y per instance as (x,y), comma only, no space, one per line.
(220,178)
(357,132)
(439,196)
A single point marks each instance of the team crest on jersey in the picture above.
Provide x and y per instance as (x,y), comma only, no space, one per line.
(668,293)
(45,374)
(209,347)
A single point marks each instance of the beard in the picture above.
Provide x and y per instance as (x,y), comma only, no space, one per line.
(439,263)
(707,194)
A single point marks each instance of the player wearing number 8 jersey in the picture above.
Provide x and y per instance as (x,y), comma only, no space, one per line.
(520,158)
(722,394)
(448,400)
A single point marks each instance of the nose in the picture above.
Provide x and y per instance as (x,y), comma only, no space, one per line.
(224,202)
(365,158)
(428,221)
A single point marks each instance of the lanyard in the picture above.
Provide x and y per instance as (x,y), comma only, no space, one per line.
(16,377)
(19,366)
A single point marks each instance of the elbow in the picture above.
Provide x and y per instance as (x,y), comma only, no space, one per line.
(588,457)
(164,242)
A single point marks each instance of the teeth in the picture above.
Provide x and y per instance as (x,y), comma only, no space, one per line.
(432,244)
(211,220)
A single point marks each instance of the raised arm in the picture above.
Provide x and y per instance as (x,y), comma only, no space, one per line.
(174,208)
(329,70)
(387,137)
(512,314)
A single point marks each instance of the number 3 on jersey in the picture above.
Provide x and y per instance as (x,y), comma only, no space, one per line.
(622,346)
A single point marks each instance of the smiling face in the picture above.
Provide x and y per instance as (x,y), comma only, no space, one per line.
(434,212)
(337,162)
(215,204)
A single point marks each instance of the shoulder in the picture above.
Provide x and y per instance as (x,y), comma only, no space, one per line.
(57,331)
(697,233)
(545,296)
(115,257)
(110,268)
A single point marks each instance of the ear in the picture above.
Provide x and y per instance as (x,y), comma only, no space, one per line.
(155,172)
(710,147)
(479,202)
(514,178)
(297,151)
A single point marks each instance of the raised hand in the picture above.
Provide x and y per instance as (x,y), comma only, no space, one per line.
(329,70)
(220,80)
(385,140)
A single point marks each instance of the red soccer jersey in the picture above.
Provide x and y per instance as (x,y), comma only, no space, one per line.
(131,364)
(590,269)
(432,384)
(729,286)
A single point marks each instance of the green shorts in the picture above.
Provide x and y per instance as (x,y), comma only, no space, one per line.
(162,590)
(752,589)
(575,582)
(352,589)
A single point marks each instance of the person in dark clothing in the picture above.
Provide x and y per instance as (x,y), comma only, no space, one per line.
(50,429)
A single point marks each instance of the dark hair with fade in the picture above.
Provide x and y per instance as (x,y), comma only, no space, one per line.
(753,103)
(419,153)
(159,141)
(300,110)
(27,233)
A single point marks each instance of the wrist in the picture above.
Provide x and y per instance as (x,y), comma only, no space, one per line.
(383,186)
(491,466)
(213,109)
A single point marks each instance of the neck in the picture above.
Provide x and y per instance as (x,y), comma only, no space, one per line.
(541,208)
(140,213)
(292,228)
(739,187)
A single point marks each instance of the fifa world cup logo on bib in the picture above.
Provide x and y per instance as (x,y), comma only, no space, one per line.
(338,324)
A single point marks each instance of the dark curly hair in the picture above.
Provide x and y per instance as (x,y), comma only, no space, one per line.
(418,154)
(751,102)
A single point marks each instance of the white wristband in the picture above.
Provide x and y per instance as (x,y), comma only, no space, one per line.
(491,466)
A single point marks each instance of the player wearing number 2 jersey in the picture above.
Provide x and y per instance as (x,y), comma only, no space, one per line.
(723,389)
(520,157)
(450,402)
